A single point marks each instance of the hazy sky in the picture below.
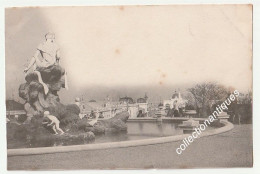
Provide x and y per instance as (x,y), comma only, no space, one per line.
(133,46)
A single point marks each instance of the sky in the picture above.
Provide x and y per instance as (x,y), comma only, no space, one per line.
(129,50)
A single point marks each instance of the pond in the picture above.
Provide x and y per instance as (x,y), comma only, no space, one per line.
(142,130)
(137,130)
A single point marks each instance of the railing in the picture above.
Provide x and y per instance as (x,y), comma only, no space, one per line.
(107,113)
(17,112)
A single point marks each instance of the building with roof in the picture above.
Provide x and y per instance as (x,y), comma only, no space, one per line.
(14,108)
(175,101)
(92,101)
(126,100)
(135,108)
(142,100)
(109,108)
(12,105)
(100,107)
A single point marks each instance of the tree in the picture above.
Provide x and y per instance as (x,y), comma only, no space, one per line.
(205,95)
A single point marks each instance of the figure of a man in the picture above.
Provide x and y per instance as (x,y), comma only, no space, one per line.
(50,56)
(52,121)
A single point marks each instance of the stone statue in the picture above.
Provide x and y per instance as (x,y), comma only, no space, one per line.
(48,63)
(44,78)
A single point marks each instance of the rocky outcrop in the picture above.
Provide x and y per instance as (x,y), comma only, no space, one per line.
(35,135)
(32,130)
(115,124)
(37,101)
(33,92)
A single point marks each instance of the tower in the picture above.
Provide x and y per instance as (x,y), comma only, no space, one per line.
(145,97)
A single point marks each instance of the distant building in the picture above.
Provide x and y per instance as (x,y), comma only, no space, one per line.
(142,100)
(12,105)
(143,104)
(175,100)
(99,107)
(134,109)
(245,98)
(14,108)
(160,105)
(110,108)
(126,100)
(92,100)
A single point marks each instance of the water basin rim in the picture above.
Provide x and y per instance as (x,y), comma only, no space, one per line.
(61,149)
(165,119)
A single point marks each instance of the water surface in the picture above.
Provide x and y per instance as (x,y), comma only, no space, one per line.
(136,131)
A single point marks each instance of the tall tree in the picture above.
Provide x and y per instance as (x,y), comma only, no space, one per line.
(205,94)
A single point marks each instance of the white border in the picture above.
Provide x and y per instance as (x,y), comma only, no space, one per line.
(21,3)
(256,72)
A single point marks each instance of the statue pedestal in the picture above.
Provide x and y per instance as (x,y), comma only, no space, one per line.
(223,116)
(189,126)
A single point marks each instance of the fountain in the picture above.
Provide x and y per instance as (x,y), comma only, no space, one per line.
(189,125)
(37,101)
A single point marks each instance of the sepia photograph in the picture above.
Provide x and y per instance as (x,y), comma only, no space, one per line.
(129,87)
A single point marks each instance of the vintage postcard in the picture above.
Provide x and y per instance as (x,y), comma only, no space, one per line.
(129,87)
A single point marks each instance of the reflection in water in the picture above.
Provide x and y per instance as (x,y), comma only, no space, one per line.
(136,131)
(152,129)
(160,127)
(141,126)
(112,137)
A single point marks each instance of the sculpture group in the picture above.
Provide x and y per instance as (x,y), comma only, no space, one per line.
(46,115)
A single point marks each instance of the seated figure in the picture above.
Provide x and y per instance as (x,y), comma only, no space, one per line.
(48,63)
